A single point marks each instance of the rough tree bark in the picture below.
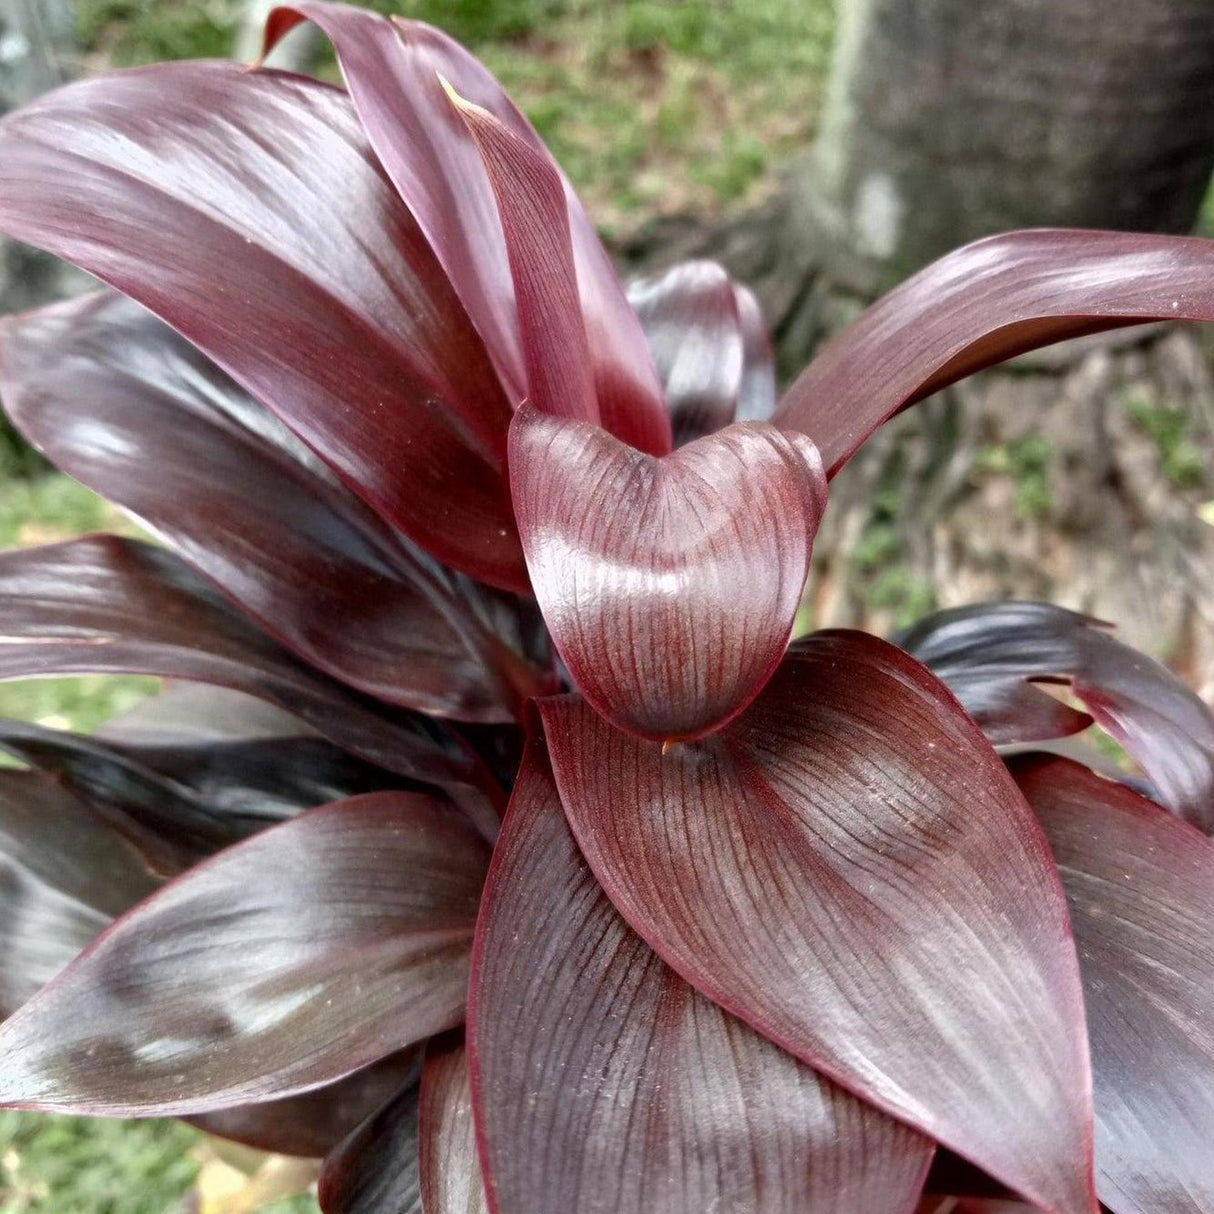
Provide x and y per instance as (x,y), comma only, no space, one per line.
(1070,477)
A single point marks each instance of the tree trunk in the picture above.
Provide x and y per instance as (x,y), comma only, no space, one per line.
(1077,477)
(947,120)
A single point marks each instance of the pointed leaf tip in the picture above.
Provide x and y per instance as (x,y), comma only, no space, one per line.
(390,66)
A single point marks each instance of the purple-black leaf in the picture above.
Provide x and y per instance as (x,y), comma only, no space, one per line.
(64,875)
(447,1160)
(606,1084)
(710,346)
(669,585)
(284,963)
(1140,884)
(103,604)
(849,868)
(981,305)
(248,211)
(990,654)
(312,1124)
(115,398)
(177,805)
(375,1169)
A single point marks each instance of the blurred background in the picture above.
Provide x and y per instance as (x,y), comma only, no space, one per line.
(823,150)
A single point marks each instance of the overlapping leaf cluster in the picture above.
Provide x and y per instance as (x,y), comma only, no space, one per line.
(453,528)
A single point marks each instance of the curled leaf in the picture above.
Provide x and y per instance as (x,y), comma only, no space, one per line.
(669,585)
(981,305)
(991,654)
(710,346)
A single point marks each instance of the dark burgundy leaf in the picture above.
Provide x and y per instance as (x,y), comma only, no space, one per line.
(669,585)
(247,210)
(263,780)
(195,714)
(286,962)
(710,347)
(757,396)
(849,868)
(114,397)
(393,69)
(990,654)
(1140,884)
(971,1205)
(531,203)
(605,1084)
(177,805)
(64,875)
(375,1169)
(449,1169)
(311,1125)
(103,604)
(983,304)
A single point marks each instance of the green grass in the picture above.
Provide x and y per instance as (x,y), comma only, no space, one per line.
(1180,457)
(68,1165)
(1027,461)
(649,105)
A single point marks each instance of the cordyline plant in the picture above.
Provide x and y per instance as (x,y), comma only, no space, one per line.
(505,563)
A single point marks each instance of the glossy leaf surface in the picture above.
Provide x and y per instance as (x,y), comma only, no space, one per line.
(164,823)
(376,1167)
(115,398)
(669,585)
(312,1124)
(983,304)
(284,963)
(605,1083)
(849,868)
(102,604)
(989,654)
(530,201)
(392,68)
(247,210)
(177,805)
(1140,884)
(64,875)
(199,714)
(447,1159)
(710,347)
